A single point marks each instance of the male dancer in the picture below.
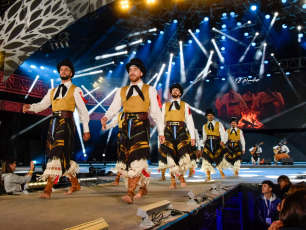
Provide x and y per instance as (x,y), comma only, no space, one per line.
(177,115)
(136,99)
(236,145)
(60,140)
(120,165)
(214,138)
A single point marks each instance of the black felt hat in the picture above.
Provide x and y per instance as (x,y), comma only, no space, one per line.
(176,86)
(234,119)
(136,62)
(209,111)
(68,63)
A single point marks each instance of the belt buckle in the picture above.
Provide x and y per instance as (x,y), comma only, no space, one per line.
(174,123)
(57,114)
(132,116)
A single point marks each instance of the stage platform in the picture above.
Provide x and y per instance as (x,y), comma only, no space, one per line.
(27,211)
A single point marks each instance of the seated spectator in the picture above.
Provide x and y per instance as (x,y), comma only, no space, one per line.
(13,184)
(266,206)
(285,184)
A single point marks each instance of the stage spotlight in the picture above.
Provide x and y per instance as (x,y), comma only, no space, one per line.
(246,34)
(287,73)
(249,76)
(223,79)
(224,15)
(42,67)
(221,67)
(207,80)
(134,52)
(54,71)
(175,21)
(232,14)
(52,83)
(299,27)
(110,55)
(206,19)
(150,2)
(300,35)
(267,16)
(173,63)
(85,155)
(33,66)
(284,26)
(182,63)
(272,54)
(165,96)
(222,48)
(110,71)
(253,44)
(197,31)
(304,6)
(161,32)
(266,62)
(149,41)
(90,73)
(223,37)
(190,41)
(121,63)
(249,22)
(223,26)
(95,67)
(159,74)
(268,75)
(253,7)
(284,1)
(238,23)
(125,4)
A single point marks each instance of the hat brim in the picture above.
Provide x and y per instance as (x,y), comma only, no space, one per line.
(59,65)
(139,66)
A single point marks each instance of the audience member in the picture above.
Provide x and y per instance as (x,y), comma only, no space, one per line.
(285,184)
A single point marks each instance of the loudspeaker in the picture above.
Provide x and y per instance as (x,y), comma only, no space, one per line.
(287,161)
(266,161)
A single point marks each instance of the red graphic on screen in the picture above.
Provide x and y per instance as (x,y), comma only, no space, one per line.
(249,121)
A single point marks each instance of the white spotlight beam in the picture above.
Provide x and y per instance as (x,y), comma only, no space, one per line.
(142,32)
(93,97)
(96,106)
(273,20)
(30,127)
(110,55)
(32,86)
(159,74)
(95,67)
(52,83)
(209,62)
(247,49)
(195,81)
(91,91)
(90,73)
(130,44)
(262,64)
(230,37)
(168,78)
(199,43)
(155,75)
(218,51)
(78,127)
(182,62)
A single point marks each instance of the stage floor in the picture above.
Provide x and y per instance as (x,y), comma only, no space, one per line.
(27,211)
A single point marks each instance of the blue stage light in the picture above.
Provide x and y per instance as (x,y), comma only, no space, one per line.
(190,41)
(300,35)
(173,63)
(42,67)
(121,63)
(161,32)
(268,75)
(287,73)
(266,62)
(253,7)
(222,48)
(253,43)
(304,6)
(160,84)
(206,19)
(249,76)
(175,21)
(33,66)
(149,41)
(246,34)
(110,71)
(267,16)
(224,14)
(197,31)
(223,37)
(223,26)
(207,80)
(284,26)
(222,67)
(134,52)
(238,23)
(54,71)
(284,1)
(191,82)
(223,79)
(232,14)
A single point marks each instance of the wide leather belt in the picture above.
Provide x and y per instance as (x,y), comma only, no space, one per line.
(234,141)
(63,114)
(175,123)
(213,137)
(136,116)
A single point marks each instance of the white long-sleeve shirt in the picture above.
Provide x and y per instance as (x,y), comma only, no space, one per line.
(221,131)
(80,105)
(188,117)
(242,140)
(155,112)
(284,149)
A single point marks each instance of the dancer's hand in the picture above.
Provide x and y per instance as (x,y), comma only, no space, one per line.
(104,122)
(192,141)
(243,152)
(32,166)
(25,108)
(86,136)
(221,143)
(161,139)
(199,153)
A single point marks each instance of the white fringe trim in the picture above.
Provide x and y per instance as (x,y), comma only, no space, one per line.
(119,167)
(162,165)
(183,166)
(224,164)
(185,163)
(54,169)
(206,166)
(193,164)
(136,169)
